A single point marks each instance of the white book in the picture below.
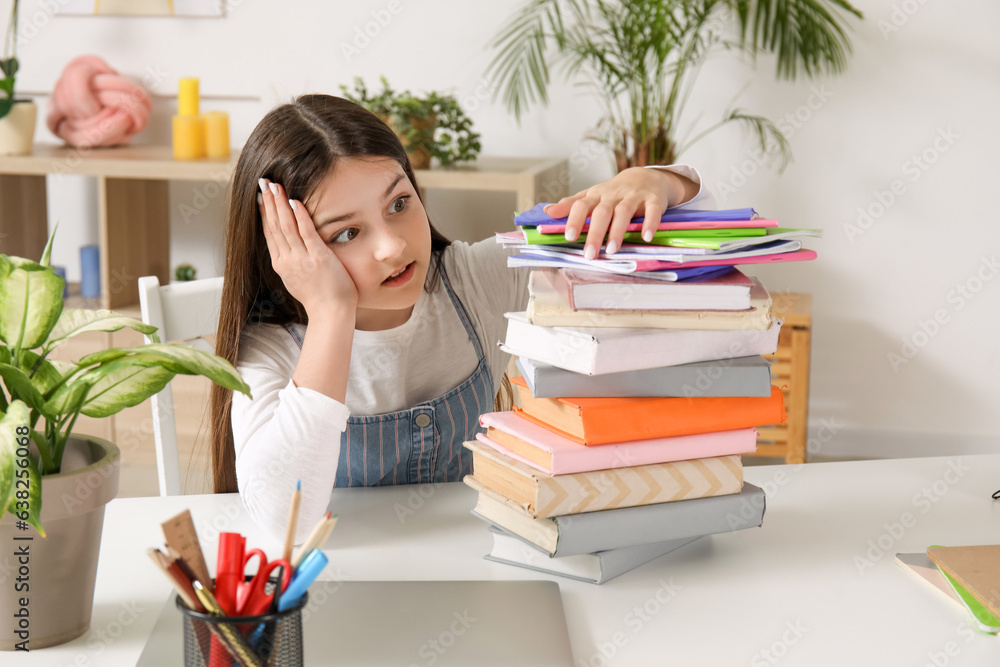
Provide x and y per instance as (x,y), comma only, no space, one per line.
(597,350)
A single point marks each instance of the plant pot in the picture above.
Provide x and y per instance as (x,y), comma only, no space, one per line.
(420,156)
(61,568)
(17,129)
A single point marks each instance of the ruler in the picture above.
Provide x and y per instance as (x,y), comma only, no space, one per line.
(181,536)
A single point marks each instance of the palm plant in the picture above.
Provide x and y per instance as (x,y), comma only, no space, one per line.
(644,56)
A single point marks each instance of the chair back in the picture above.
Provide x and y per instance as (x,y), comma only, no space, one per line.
(182,312)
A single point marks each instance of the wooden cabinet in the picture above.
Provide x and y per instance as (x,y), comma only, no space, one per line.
(134,216)
(790,372)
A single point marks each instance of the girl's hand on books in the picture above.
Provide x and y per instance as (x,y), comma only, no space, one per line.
(611,205)
(309,269)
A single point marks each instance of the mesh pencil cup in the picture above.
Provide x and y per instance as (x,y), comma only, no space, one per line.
(268,640)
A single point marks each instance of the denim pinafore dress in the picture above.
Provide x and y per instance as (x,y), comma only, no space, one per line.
(424,443)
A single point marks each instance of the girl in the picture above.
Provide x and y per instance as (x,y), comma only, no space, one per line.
(369,341)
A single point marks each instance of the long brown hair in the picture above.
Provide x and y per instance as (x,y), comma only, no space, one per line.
(297,145)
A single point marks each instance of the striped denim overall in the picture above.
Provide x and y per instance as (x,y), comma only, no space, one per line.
(424,443)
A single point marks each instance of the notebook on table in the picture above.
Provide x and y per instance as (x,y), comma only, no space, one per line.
(392,623)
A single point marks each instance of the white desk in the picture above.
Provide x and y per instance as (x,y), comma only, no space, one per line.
(792,588)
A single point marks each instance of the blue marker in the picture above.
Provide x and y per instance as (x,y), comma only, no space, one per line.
(305,574)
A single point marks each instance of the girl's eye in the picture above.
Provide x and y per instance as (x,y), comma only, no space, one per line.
(399,204)
(348,234)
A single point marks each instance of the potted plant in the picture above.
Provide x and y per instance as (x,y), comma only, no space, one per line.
(643,57)
(54,483)
(432,126)
(17,117)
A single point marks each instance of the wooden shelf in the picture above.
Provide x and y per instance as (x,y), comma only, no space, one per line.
(133,207)
(790,371)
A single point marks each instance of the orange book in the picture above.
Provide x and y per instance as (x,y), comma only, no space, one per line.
(601,421)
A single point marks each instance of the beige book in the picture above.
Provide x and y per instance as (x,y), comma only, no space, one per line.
(547,308)
(543,495)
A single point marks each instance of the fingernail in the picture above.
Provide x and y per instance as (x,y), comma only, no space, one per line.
(274,188)
(647,235)
(570,236)
(612,247)
(260,199)
(589,252)
(291,203)
(263,184)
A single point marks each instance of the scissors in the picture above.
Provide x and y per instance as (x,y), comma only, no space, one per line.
(251,597)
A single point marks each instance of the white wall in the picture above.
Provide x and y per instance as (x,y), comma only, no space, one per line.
(926,87)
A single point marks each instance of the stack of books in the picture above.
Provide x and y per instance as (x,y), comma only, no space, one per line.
(639,392)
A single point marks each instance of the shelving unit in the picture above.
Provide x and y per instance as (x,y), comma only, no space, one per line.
(790,370)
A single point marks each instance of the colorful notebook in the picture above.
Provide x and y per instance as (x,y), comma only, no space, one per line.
(975,568)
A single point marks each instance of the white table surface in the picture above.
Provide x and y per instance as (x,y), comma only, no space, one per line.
(816,585)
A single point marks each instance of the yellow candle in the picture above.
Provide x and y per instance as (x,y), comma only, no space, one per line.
(187,97)
(189,137)
(216,134)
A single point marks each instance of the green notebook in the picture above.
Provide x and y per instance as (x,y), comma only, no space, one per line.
(662,237)
(985,619)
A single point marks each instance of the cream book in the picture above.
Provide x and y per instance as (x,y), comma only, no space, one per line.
(547,308)
(542,495)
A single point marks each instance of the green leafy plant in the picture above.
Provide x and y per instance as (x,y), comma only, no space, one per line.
(8,62)
(644,56)
(184,272)
(41,398)
(429,126)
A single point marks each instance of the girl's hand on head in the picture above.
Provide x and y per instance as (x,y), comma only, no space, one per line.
(611,205)
(310,270)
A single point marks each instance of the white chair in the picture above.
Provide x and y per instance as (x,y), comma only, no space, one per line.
(183,311)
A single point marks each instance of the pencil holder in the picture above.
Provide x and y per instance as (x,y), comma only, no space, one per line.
(268,640)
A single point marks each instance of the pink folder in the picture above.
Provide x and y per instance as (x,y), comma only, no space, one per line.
(571,457)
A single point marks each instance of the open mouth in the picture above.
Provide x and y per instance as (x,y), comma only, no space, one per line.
(401,276)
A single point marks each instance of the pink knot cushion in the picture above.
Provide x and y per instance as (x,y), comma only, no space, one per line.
(92,105)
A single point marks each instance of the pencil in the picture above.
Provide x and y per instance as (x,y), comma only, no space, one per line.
(316,538)
(157,557)
(293,518)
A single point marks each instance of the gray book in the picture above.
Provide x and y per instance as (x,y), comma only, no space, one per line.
(590,532)
(738,376)
(593,568)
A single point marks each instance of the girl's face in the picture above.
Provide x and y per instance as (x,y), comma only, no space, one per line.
(368,213)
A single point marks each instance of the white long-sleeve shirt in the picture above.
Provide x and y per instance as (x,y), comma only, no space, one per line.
(288,433)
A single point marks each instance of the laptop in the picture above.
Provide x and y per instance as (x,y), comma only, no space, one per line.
(413,623)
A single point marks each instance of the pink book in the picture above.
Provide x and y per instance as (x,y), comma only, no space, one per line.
(549,452)
(560,228)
